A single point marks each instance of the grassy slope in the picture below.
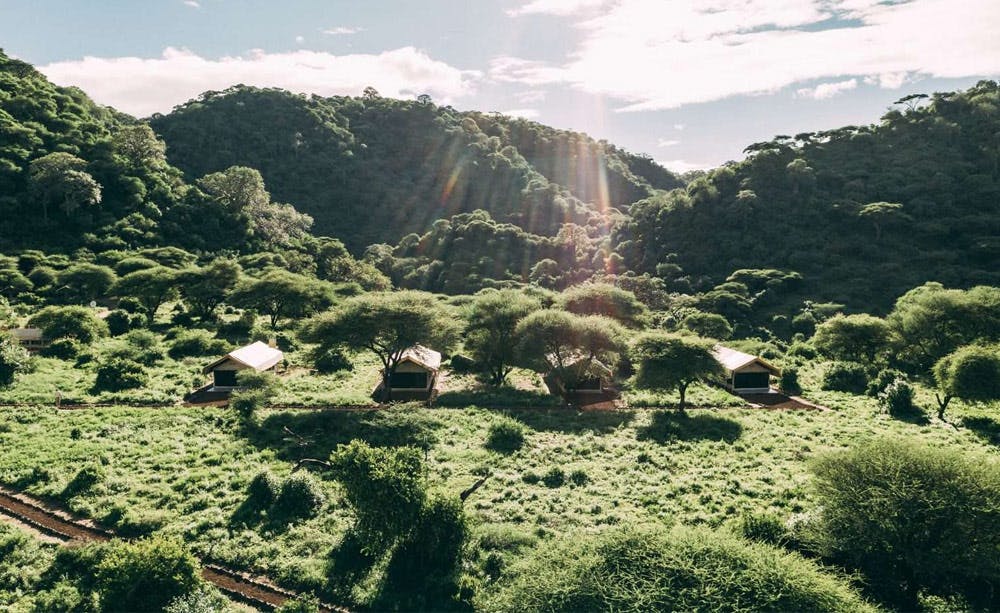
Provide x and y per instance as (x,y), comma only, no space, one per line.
(187,469)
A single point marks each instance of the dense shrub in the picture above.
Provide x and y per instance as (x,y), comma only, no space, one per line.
(86,478)
(913,517)
(505,436)
(263,491)
(145,575)
(463,364)
(146,347)
(196,343)
(762,528)
(203,599)
(300,497)
(801,349)
(305,603)
(683,570)
(555,477)
(69,322)
(13,360)
(845,377)
(789,380)
(121,321)
(63,349)
(117,374)
(327,361)
(579,477)
(897,399)
(882,380)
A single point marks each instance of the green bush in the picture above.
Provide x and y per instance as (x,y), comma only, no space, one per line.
(683,570)
(463,364)
(789,380)
(63,349)
(327,361)
(763,528)
(505,436)
(203,599)
(69,322)
(913,517)
(579,477)
(300,497)
(121,321)
(263,491)
(13,360)
(86,478)
(845,377)
(306,603)
(882,380)
(897,399)
(119,374)
(197,343)
(801,349)
(555,477)
(145,575)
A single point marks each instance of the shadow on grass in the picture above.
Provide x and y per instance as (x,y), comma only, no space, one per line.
(497,397)
(986,428)
(669,426)
(347,566)
(570,421)
(294,435)
(914,416)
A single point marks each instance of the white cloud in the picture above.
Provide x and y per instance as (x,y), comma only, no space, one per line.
(342,30)
(300,39)
(555,7)
(679,126)
(682,166)
(193,4)
(530,96)
(827,90)
(658,55)
(142,86)
(522,113)
(667,142)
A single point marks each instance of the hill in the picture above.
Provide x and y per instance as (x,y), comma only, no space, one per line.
(373,169)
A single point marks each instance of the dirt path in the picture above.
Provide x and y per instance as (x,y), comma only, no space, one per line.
(58,526)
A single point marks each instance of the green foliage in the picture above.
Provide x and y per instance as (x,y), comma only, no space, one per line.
(300,497)
(120,321)
(856,338)
(970,373)
(505,436)
(281,294)
(117,374)
(204,289)
(708,325)
(84,282)
(789,380)
(203,599)
(845,377)
(150,286)
(882,379)
(672,361)
(568,348)
(607,300)
(896,399)
(13,360)
(384,488)
(490,332)
(63,349)
(554,477)
(263,491)
(75,322)
(912,517)
(196,343)
(685,569)
(305,603)
(327,361)
(146,575)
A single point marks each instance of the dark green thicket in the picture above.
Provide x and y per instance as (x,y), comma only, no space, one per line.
(681,570)
(913,518)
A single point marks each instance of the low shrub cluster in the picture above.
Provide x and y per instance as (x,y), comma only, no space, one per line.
(845,377)
(505,436)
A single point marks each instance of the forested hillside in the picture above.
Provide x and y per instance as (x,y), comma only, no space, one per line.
(373,169)
(861,212)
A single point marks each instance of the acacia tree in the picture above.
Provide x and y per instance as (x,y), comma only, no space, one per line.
(279,293)
(672,361)
(206,288)
(151,287)
(59,178)
(853,337)
(490,331)
(69,322)
(971,373)
(566,346)
(385,323)
(85,282)
(604,299)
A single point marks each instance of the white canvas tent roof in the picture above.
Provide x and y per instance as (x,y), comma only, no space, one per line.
(732,359)
(256,355)
(422,356)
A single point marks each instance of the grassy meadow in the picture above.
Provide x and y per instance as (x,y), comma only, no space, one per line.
(184,471)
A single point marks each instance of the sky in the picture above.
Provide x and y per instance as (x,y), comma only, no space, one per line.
(688,82)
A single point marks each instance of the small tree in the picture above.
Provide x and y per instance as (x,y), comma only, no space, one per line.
(385,323)
(971,373)
(145,575)
(13,360)
(280,293)
(709,325)
(607,300)
(492,321)
(151,287)
(204,289)
(567,346)
(672,362)
(84,282)
(854,338)
(75,322)
(60,178)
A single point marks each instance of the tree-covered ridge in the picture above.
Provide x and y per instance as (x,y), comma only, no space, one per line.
(862,212)
(373,169)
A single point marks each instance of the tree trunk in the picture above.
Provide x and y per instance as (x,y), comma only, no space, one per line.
(386,385)
(942,404)
(683,390)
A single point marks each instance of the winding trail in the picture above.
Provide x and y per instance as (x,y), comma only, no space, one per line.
(56,524)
